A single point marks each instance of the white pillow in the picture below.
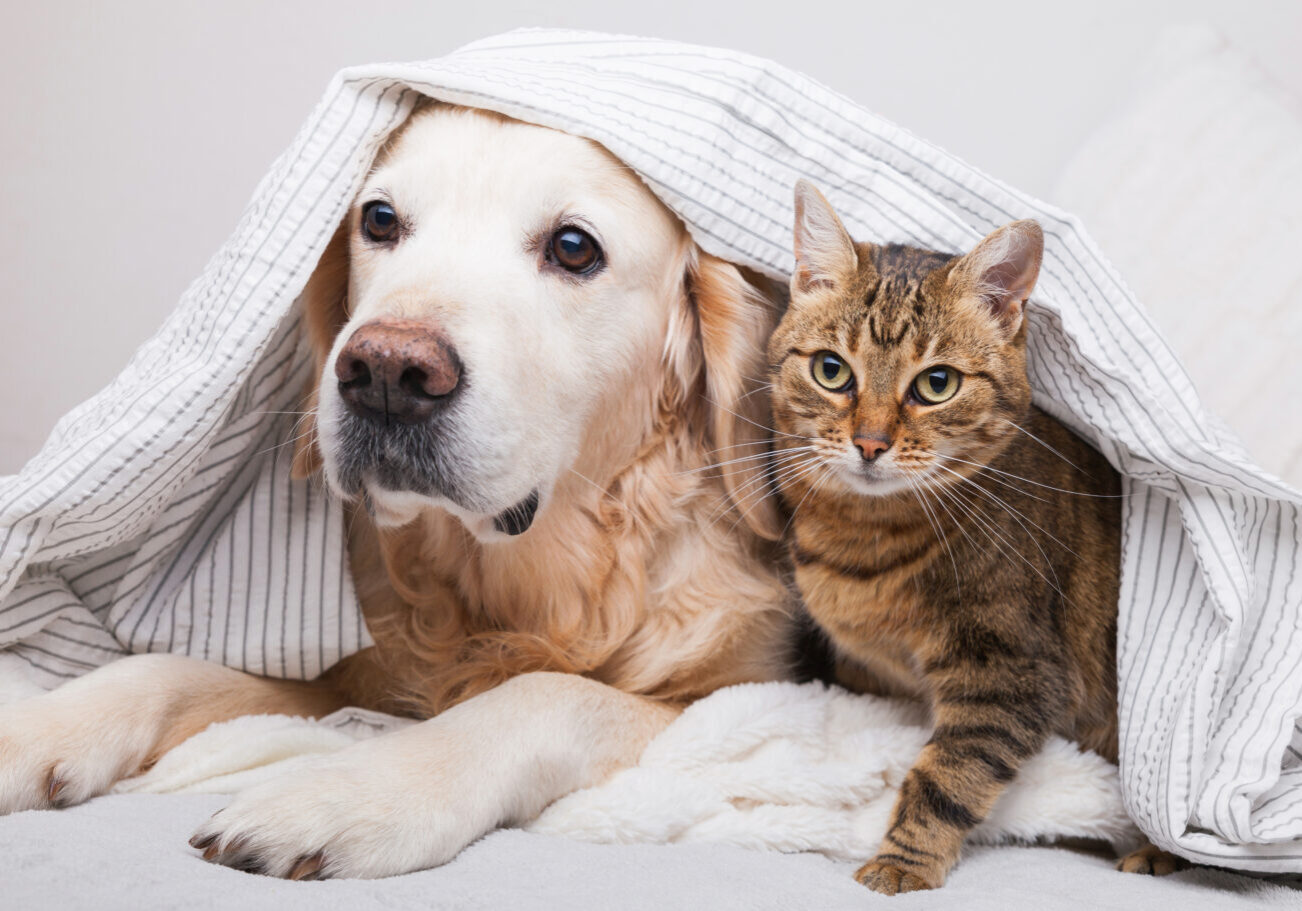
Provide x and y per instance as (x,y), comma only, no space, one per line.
(1195,192)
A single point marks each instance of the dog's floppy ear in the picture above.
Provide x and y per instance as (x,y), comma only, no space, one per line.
(735,320)
(325,310)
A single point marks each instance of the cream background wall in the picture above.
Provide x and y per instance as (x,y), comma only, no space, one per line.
(133,133)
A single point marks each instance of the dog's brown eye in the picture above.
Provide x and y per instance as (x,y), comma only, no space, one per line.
(379,221)
(574,250)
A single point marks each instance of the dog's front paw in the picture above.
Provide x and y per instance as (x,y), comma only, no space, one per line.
(355,813)
(890,879)
(53,755)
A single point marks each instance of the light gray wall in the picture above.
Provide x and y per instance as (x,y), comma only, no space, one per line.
(135,132)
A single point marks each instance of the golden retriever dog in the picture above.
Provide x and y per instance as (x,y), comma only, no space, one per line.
(545,405)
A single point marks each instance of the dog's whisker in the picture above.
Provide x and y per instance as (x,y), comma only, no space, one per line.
(283,443)
(603,491)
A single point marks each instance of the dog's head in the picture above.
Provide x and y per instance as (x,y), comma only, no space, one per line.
(506,305)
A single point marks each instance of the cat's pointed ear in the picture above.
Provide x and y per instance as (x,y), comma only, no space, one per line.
(1002,269)
(825,255)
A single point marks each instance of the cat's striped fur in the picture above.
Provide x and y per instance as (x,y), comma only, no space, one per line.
(965,552)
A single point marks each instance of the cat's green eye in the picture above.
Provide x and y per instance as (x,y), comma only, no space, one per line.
(936,385)
(830,371)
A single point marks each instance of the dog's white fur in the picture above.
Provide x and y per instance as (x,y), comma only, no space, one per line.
(644,571)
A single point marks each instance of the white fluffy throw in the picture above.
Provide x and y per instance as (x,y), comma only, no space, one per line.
(777,766)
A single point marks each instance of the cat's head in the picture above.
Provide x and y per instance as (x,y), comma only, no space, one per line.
(898,366)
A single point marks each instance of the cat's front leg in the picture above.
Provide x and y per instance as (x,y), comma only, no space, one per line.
(991,716)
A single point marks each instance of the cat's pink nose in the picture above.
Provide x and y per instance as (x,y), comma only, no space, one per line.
(871,446)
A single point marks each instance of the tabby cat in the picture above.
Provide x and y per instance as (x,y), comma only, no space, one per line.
(955,543)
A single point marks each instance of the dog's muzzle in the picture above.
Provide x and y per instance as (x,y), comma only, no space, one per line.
(399,381)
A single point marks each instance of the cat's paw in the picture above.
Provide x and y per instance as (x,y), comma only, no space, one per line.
(1150,860)
(890,879)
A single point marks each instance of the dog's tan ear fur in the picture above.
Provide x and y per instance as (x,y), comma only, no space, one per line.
(325,310)
(735,321)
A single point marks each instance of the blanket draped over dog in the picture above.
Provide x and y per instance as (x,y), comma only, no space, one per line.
(160,514)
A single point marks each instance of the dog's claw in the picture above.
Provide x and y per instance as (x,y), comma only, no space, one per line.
(229,852)
(200,842)
(55,783)
(308,867)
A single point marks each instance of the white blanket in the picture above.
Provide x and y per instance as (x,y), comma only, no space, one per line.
(159,516)
(776,766)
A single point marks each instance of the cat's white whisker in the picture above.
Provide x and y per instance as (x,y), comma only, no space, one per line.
(940,501)
(819,480)
(981,471)
(935,526)
(1057,584)
(1046,446)
(747,443)
(984,523)
(761,483)
(1007,474)
(778,458)
(791,475)
(753,423)
(1012,511)
(1016,515)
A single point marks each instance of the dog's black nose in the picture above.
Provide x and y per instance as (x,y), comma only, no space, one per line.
(397,371)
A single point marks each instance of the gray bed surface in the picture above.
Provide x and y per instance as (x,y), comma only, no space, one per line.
(130,852)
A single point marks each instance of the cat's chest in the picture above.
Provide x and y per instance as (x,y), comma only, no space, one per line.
(865,590)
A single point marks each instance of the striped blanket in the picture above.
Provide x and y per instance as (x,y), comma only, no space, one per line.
(160,514)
